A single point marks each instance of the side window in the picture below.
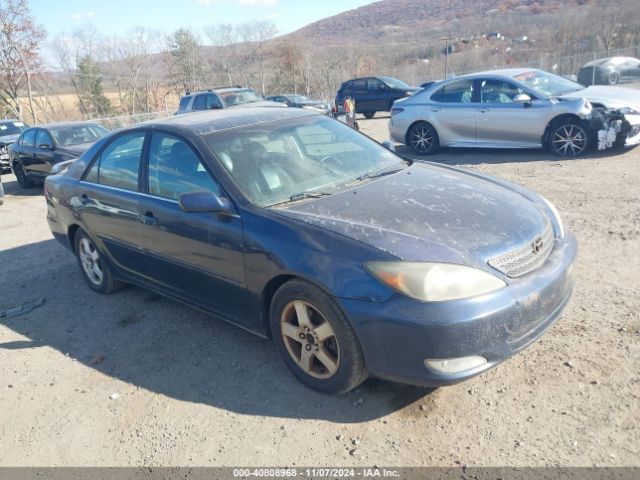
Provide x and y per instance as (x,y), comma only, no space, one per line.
(200,103)
(174,168)
(213,102)
(184,102)
(119,163)
(460,91)
(498,91)
(358,85)
(29,138)
(374,85)
(43,138)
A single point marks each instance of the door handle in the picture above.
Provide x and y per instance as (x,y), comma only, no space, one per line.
(436,109)
(84,199)
(483,110)
(148,219)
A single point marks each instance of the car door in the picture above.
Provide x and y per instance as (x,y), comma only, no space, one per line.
(25,150)
(501,122)
(378,94)
(452,113)
(43,153)
(107,202)
(630,70)
(197,256)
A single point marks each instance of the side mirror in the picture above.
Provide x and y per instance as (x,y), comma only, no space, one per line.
(205,201)
(389,146)
(522,98)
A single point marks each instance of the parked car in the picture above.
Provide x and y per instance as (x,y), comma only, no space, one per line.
(300,101)
(373,94)
(40,148)
(516,108)
(218,98)
(610,71)
(10,130)
(294,226)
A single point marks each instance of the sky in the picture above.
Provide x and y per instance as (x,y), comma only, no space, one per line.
(116,17)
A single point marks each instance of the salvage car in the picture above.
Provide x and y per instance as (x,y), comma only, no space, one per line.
(517,108)
(40,148)
(10,130)
(225,97)
(610,71)
(372,94)
(300,101)
(355,261)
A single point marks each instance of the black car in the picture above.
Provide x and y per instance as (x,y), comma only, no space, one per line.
(610,71)
(40,148)
(10,130)
(300,101)
(373,94)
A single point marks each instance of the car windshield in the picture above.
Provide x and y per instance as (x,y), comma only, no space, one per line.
(238,97)
(76,134)
(547,84)
(297,98)
(289,160)
(394,82)
(12,128)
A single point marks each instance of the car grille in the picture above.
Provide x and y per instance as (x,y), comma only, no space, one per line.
(526,259)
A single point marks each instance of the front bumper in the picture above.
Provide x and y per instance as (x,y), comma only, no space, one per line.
(398,335)
(5,161)
(633,137)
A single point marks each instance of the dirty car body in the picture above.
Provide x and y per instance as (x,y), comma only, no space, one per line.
(309,199)
(519,108)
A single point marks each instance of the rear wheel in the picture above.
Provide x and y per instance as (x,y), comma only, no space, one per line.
(316,339)
(613,78)
(369,114)
(423,138)
(567,138)
(95,270)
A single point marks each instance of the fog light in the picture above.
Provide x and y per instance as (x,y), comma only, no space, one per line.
(455,365)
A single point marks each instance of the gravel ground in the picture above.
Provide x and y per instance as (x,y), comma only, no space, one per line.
(136,379)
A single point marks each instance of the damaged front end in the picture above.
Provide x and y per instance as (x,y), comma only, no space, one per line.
(614,127)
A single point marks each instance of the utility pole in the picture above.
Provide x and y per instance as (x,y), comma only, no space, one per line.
(446,55)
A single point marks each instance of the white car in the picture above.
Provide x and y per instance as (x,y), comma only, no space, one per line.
(516,108)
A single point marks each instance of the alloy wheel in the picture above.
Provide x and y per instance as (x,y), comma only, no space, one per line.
(569,140)
(422,139)
(90,259)
(310,339)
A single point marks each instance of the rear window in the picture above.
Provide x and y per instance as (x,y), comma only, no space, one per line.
(455,92)
(184,102)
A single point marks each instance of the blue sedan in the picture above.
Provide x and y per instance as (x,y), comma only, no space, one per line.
(355,261)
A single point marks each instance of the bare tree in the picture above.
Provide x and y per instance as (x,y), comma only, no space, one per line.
(224,37)
(255,37)
(19,59)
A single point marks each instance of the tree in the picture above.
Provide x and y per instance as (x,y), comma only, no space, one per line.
(224,37)
(186,64)
(89,83)
(20,39)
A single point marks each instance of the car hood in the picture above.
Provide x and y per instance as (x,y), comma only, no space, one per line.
(610,97)
(7,139)
(428,213)
(261,103)
(311,102)
(76,150)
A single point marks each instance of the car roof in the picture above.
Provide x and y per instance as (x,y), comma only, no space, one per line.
(208,121)
(64,124)
(504,72)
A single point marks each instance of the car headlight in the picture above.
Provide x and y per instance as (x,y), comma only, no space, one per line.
(434,282)
(628,111)
(557,216)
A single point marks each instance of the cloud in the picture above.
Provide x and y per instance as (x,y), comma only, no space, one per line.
(83,16)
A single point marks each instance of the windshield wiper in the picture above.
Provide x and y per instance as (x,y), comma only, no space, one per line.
(302,196)
(379,173)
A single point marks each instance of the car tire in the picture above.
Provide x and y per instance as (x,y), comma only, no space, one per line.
(567,138)
(95,269)
(21,176)
(613,78)
(316,339)
(423,138)
(369,115)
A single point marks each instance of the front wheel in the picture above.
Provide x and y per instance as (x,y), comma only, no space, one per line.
(613,78)
(21,176)
(95,270)
(316,339)
(423,138)
(567,138)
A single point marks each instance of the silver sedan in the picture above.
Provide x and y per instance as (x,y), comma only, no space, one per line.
(516,108)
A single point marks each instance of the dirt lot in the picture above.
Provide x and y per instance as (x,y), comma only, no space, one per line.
(190,390)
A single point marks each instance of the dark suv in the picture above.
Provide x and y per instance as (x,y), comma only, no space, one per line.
(373,94)
(223,98)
